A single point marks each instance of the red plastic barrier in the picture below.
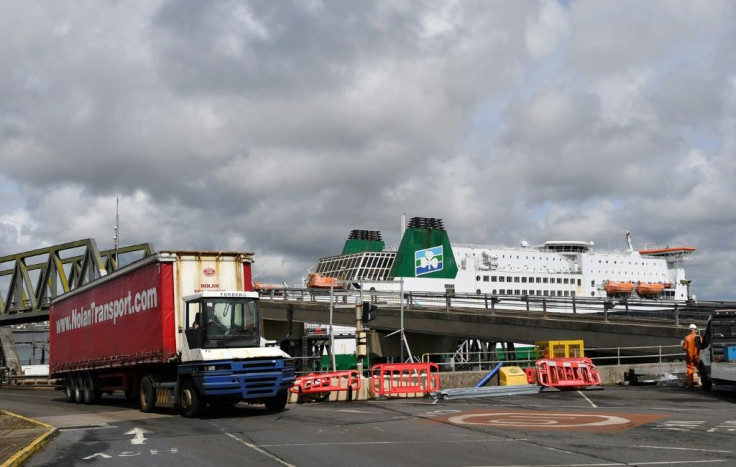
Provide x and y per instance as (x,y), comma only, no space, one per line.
(395,379)
(531,375)
(327,382)
(567,373)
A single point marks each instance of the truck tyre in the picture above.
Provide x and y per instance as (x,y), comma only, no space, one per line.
(191,400)
(147,395)
(90,394)
(277,402)
(705,382)
(69,388)
(78,389)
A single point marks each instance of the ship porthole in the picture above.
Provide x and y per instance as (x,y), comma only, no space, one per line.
(477,291)
(477,278)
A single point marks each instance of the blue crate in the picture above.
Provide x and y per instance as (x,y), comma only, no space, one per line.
(729,353)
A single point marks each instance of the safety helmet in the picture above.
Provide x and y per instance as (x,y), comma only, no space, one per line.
(692,326)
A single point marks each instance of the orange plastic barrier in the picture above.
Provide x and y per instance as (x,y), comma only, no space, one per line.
(567,373)
(395,379)
(326,382)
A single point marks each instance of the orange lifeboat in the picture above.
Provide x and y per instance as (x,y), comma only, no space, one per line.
(649,288)
(318,281)
(618,288)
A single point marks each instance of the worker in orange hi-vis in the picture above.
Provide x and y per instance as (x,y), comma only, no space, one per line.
(691,346)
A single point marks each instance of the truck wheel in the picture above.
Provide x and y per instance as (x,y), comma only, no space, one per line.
(705,381)
(147,395)
(90,394)
(191,400)
(69,388)
(78,389)
(277,402)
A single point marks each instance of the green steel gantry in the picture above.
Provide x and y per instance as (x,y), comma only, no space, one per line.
(30,280)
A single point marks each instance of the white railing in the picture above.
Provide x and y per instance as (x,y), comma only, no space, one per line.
(659,310)
(486,360)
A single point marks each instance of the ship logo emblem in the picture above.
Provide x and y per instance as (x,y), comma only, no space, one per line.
(429,260)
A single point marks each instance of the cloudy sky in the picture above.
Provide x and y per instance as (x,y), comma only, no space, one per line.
(277,127)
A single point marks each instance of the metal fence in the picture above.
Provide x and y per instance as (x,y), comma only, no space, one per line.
(601,356)
(604,309)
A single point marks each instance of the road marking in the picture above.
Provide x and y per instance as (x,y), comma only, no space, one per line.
(138,438)
(586,398)
(606,464)
(728,425)
(529,420)
(679,425)
(258,449)
(101,426)
(377,443)
(670,448)
(555,421)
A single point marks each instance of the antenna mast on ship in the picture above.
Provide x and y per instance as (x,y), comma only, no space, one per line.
(628,241)
(116,237)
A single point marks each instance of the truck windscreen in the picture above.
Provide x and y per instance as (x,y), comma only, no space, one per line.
(231,318)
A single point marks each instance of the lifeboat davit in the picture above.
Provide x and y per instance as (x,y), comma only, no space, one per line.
(649,288)
(618,288)
(318,281)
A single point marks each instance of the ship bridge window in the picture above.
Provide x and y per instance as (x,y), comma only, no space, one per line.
(538,280)
(516,279)
(485,278)
(523,279)
(493,278)
(501,278)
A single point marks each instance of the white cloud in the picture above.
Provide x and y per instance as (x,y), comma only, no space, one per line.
(277,127)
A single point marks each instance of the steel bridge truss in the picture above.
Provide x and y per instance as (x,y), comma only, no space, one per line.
(30,280)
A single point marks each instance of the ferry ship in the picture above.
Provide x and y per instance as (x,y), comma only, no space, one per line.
(426,261)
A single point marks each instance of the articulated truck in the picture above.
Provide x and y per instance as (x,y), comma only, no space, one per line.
(176,329)
(718,350)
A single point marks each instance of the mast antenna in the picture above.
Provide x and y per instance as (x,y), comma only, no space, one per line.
(116,237)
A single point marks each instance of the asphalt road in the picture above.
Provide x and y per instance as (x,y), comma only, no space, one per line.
(645,425)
